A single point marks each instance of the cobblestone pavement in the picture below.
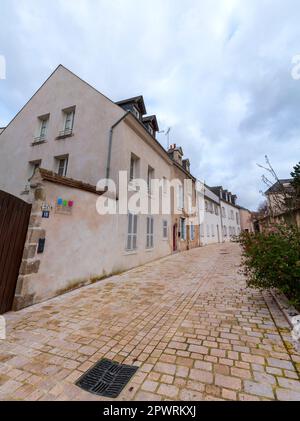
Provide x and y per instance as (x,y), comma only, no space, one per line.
(187,321)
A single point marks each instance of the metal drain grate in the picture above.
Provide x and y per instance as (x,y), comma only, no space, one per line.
(106,378)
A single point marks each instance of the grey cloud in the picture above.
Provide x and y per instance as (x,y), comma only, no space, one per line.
(217,71)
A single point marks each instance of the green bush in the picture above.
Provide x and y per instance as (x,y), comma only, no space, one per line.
(272,260)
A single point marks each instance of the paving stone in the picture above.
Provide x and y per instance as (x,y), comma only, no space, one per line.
(274,362)
(201,376)
(289,384)
(168,390)
(228,382)
(187,321)
(259,389)
(287,395)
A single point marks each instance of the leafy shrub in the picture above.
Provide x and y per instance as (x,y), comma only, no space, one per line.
(272,260)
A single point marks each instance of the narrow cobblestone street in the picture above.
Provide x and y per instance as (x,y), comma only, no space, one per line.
(187,321)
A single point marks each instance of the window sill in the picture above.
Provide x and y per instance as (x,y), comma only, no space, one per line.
(64,136)
(130,252)
(38,142)
(150,250)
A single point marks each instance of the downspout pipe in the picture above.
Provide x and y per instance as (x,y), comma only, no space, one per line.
(111,132)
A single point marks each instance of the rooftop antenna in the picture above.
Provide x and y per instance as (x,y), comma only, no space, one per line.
(167,133)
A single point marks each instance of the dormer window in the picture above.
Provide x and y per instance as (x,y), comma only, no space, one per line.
(150,129)
(136,112)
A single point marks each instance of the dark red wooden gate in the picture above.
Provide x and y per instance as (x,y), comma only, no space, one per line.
(14,219)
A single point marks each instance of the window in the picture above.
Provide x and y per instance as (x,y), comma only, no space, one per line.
(165,230)
(150,232)
(237,218)
(216,210)
(150,177)
(43,128)
(223,212)
(211,209)
(182,229)
(34,165)
(225,231)
(62,165)
(207,231)
(134,164)
(192,232)
(69,115)
(212,230)
(180,201)
(135,112)
(69,121)
(165,185)
(206,205)
(42,132)
(232,215)
(150,129)
(132,232)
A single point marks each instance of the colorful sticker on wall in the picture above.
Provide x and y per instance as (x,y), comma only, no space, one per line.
(64,206)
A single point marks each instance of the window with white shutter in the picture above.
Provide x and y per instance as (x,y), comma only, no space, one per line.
(132,232)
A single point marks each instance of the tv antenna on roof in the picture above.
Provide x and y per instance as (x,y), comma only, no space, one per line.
(167,133)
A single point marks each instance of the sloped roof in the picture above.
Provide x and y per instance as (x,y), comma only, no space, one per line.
(69,182)
(153,120)
(139,100)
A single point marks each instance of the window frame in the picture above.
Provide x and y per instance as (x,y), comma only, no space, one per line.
(132,229)
(165,229)
(59,159)
(150,233)
(183,229)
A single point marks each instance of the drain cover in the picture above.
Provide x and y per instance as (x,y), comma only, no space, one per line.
(106,378)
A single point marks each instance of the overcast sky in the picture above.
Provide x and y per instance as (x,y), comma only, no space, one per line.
(217,71)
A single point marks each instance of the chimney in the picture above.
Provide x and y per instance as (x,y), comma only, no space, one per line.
(186,164)
(175,153)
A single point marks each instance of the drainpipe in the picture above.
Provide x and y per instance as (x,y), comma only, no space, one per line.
(110,143)
(222,231)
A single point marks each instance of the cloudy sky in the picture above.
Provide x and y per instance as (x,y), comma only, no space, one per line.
(217,71)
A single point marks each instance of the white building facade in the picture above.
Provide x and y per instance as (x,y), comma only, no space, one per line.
(210,222)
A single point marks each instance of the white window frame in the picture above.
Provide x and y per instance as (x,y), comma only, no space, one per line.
(135,112)
(69,127)
(150,233)
(43,128)
(150,177)
(165,187)
(133,170)
(131,244)
(212,230)
(180,199)
(62,169)
(165,229)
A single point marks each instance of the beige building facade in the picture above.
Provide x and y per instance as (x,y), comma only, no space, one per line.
(72,132)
